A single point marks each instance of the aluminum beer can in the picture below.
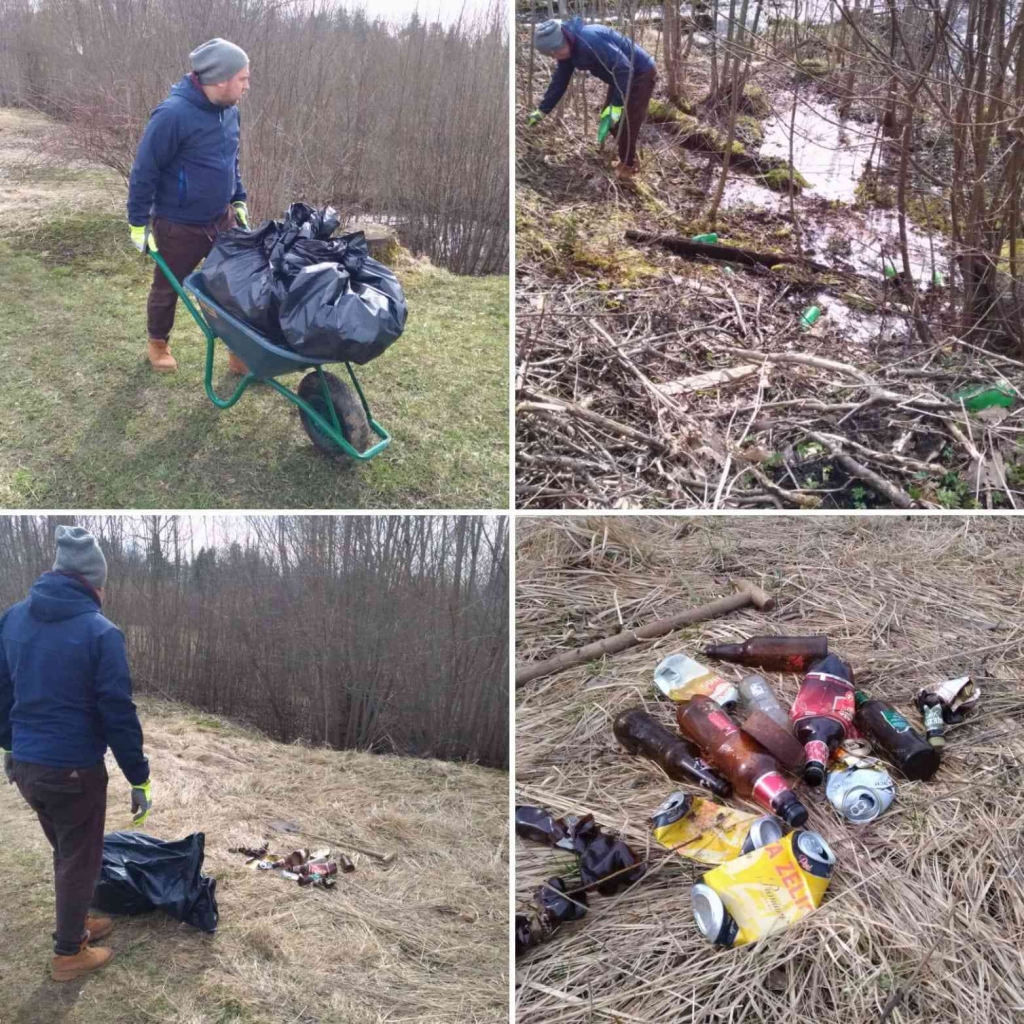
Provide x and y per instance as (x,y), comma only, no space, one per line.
(860,795)
(713,920)
(813,854)
(764,830)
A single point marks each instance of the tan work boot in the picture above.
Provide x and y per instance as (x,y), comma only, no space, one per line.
(87,959)
(235,365)
(160,357)
(98,927)
(625,172)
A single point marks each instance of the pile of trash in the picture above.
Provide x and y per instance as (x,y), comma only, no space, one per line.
(323,298)
(739,740)
(307,867)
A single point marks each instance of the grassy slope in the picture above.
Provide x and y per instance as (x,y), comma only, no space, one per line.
(425,939)
(84,423)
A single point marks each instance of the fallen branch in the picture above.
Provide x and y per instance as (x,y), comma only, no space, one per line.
(725,253)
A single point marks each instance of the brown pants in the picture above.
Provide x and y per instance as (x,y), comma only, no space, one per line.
(641,89)
(183,247)
(71,804)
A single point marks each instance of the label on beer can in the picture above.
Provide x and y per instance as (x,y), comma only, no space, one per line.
(895,719)
(813,854)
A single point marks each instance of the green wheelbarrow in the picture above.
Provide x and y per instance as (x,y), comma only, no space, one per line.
(336,422)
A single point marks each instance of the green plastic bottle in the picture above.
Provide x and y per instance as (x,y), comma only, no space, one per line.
(711,238)
(984,396)
(809,317)
(888,270)
(937,279)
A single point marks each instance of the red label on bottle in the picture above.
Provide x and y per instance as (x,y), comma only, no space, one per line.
(720,720)
(768,788)
(825,695)
(816,751)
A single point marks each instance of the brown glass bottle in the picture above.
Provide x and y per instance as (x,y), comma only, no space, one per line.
(641,734)
(821,714)
(753,772)
(888,729)
(776,653)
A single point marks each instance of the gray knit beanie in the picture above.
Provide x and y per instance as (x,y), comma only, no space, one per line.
(78,552)
(217,61)
(548,36)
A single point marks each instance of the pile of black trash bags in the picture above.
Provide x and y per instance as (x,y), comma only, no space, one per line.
(320,297)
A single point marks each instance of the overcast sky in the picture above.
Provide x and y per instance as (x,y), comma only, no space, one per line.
(445,11)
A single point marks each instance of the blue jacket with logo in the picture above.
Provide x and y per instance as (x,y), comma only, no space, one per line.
(65,688)
(186,167)
(602,51)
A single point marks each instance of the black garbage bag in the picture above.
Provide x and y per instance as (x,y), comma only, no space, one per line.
(141,874)
(237,275)
(313,223)
(341,315)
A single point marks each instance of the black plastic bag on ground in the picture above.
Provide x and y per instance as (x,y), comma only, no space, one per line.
(141,874)
(237,275)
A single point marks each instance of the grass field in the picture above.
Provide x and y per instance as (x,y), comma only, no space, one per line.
(85,423)
(424,939)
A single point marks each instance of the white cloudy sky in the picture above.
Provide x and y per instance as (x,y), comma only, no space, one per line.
(445,11)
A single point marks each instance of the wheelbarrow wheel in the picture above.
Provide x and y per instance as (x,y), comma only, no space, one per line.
(355,428)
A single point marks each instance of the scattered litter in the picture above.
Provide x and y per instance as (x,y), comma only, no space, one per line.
(307,867)
(640,734)
(776,653)
(946,702)
(984,396)
(708,832)
(711,379)
(680,677)
(822,713)
(860,794)
(742,900)
(889,731)
(753,772)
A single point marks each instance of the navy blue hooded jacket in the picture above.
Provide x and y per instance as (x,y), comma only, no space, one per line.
(65,688)
(186,167)
(605,54)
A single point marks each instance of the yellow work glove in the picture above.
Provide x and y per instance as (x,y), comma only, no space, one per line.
(142,801)
(241,213)
(533,118)
(141,236)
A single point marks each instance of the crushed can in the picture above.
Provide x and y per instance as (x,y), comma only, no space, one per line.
(860,794)
(765,891)
(679,678)
(708,832)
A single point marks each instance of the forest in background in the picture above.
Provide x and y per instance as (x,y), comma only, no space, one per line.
(387,633)
(403,124)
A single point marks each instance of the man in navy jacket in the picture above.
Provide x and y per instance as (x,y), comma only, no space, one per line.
(185,186)
(65,694)
(623,65)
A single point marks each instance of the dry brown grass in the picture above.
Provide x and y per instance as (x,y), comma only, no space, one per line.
(926,905)
(424,939)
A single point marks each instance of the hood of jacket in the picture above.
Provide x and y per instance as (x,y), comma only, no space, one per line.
(54,598)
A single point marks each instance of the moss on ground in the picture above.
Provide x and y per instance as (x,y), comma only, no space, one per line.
(778,180)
